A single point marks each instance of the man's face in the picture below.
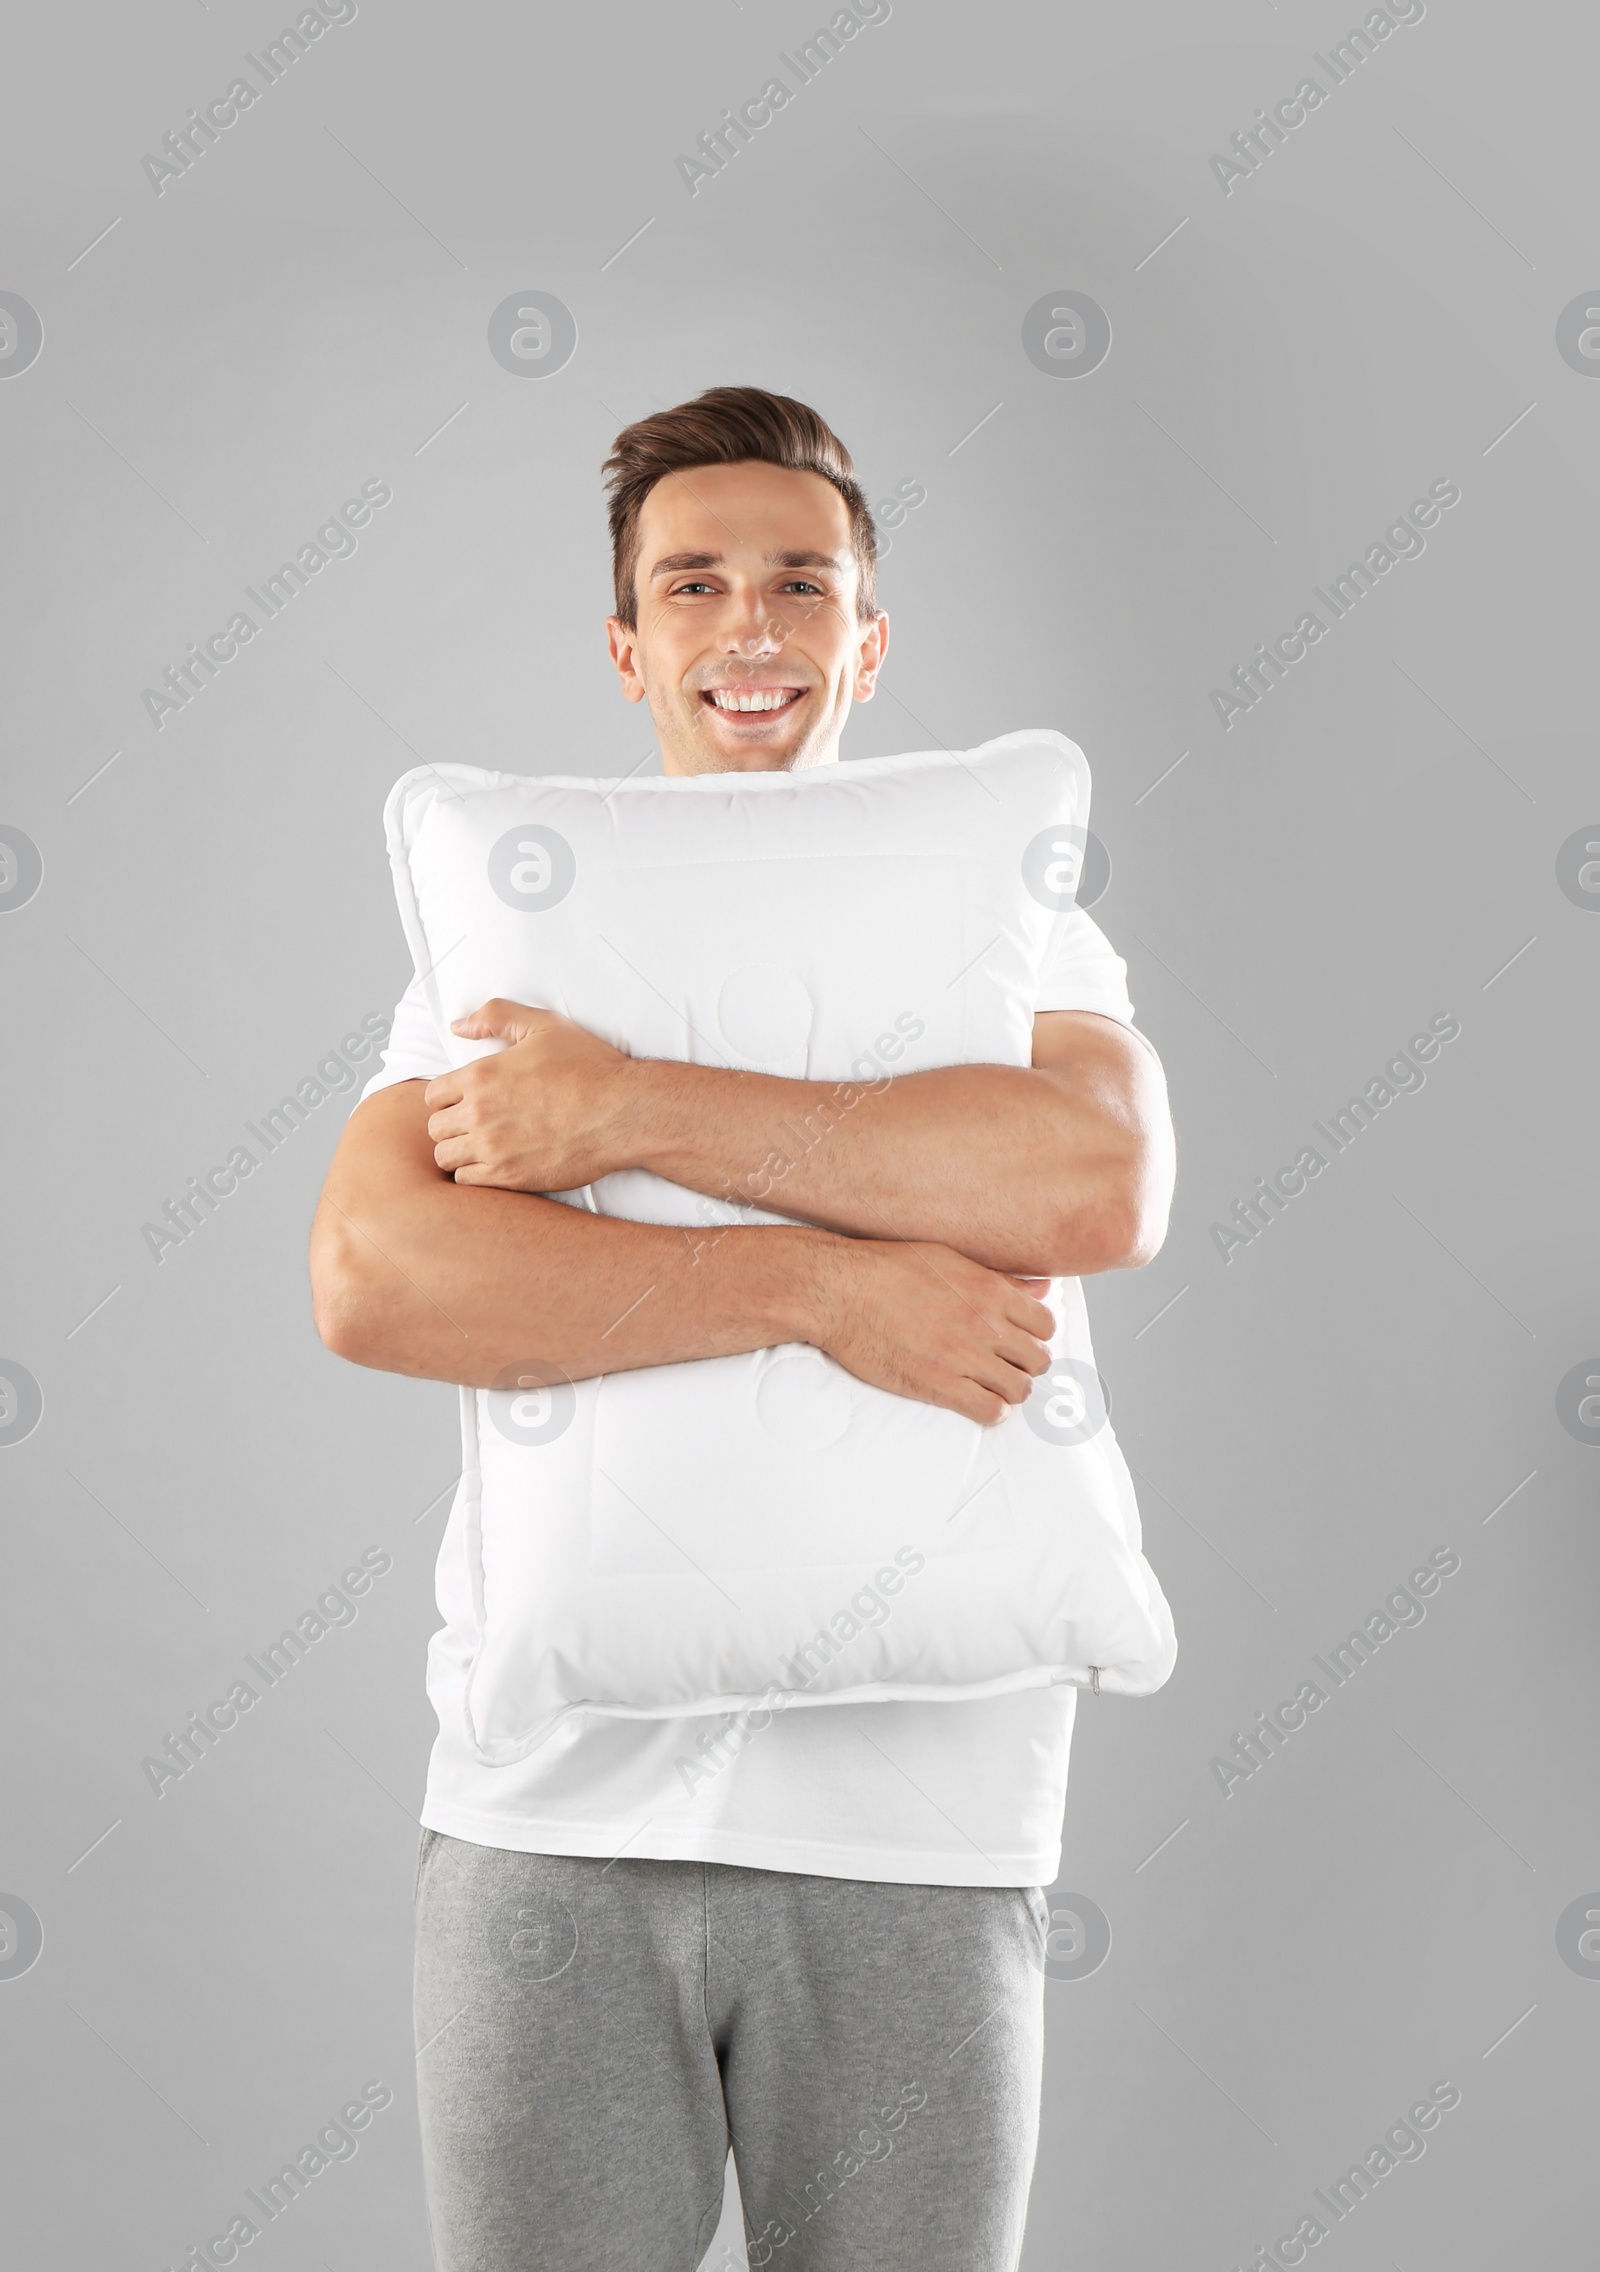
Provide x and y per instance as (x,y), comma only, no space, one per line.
(746,594)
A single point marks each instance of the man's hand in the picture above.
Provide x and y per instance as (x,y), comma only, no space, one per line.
(549,1113)
(923,1321)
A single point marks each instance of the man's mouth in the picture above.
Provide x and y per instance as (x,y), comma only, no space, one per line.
(738,701)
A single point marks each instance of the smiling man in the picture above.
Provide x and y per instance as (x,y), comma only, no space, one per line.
(829,1951)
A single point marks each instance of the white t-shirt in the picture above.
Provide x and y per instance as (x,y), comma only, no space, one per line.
(968,1793)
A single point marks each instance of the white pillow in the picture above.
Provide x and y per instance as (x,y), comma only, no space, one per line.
(766,1530)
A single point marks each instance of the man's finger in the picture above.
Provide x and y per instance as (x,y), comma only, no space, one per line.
(455,1152)
(1032,1314)
(499,1020)
(444,1089)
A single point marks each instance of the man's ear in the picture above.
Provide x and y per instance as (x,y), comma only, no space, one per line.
(623,645)
(874,647)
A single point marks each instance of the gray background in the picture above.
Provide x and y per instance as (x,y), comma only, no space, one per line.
(1373,1379)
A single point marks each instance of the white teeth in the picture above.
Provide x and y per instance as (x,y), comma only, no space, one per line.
(726,701)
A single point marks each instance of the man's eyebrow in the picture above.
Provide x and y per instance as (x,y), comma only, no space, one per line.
(677,563)
(831,560)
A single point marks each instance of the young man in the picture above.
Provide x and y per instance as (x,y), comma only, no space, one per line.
(823,1944)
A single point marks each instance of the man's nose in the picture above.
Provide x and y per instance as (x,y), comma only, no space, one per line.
(752,627)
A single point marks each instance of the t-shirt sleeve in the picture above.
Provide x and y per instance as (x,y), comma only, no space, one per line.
(415,1050)
(1082,970)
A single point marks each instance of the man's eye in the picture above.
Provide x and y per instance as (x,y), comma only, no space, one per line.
(803,583)
(679,589)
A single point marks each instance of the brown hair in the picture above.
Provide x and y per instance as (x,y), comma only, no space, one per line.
(729,426)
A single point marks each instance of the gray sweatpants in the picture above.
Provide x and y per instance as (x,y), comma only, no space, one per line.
(593,2035)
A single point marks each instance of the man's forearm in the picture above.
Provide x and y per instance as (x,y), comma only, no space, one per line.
(413,1273)
(1024,1168)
